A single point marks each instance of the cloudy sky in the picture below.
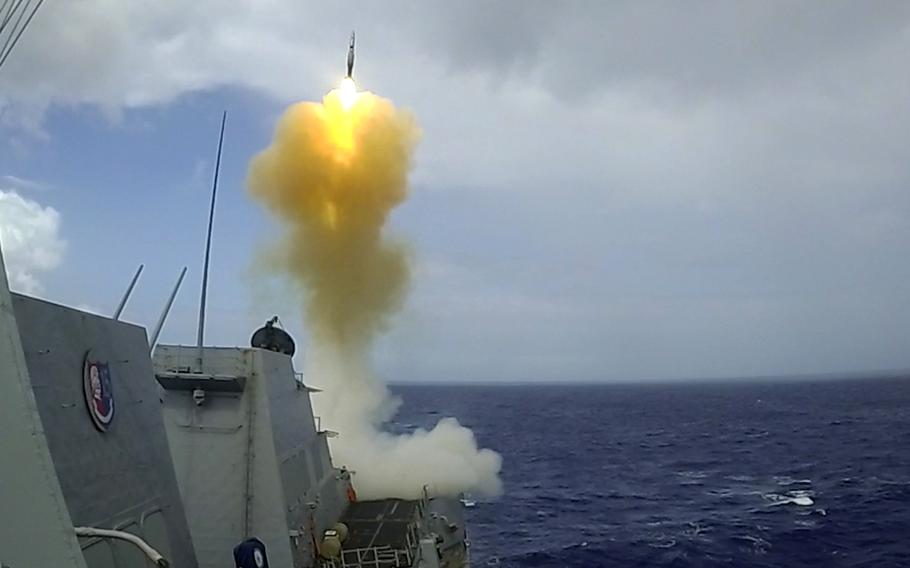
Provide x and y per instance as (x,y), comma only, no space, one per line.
(603,191)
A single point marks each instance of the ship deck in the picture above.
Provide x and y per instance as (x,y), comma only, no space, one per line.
(379,523)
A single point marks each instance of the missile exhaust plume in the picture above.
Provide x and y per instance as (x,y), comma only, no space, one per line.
(333,173)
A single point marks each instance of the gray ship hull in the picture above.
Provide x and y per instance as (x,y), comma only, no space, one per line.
(188,459)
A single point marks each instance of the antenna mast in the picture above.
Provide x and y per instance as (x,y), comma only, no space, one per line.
(165,312)
(12,24)
(208,248)
(129,291)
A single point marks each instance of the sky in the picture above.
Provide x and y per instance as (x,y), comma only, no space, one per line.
(603,191)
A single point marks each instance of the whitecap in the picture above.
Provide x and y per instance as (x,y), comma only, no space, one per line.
(692,474)
(800,498)
(739,478)
(785,480)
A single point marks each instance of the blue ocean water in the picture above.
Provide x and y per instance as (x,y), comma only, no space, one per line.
(702,474)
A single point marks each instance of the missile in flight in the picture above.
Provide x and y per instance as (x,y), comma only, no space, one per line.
(351,58)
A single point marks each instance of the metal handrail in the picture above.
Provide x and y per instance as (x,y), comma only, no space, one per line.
(375,556)
(152,554)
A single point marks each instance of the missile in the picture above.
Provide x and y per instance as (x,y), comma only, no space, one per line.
(351,58)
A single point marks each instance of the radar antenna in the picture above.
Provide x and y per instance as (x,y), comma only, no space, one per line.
(273,338)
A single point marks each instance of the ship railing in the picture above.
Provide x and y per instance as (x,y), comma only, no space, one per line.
(373,557)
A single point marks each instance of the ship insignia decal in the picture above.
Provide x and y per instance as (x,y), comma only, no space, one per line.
(99,397)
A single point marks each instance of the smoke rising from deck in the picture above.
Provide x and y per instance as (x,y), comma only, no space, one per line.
(332,174)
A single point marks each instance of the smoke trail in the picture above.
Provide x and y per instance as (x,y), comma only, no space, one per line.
(332,174)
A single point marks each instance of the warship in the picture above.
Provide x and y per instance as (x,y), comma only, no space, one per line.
(122,453)
(116,455)
(119,452)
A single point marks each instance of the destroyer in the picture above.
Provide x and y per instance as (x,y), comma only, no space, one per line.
(118,452)
(196,457)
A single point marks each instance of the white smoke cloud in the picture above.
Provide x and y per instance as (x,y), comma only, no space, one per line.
(445,459)
(333,173)
(29,234)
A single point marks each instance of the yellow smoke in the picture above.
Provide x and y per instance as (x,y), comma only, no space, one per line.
(333,173)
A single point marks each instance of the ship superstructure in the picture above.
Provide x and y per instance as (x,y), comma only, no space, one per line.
(168,461)
(248,458)
(100,410)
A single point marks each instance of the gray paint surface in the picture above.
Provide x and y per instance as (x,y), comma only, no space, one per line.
(121,478)
(40,532)
(247,461)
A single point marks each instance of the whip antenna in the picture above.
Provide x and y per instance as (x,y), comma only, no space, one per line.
(200,333)
(129,291)
(165,312)
(12,29)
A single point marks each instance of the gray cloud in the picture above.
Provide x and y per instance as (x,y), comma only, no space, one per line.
(697,49)
(623,189)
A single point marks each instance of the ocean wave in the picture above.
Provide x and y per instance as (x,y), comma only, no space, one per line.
(757,543)
(786,481)
(692,474)
(800,498)
(700,501)
(576,554)
(739,478)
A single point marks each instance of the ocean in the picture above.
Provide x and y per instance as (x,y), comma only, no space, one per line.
(737,473)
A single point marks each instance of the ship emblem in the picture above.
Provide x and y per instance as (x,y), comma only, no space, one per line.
(99,398)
